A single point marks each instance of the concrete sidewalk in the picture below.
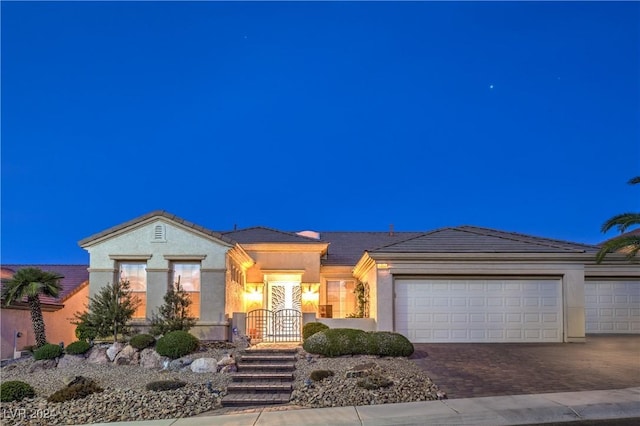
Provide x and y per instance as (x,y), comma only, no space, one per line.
(495,410)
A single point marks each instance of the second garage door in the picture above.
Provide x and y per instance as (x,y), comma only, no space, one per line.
(612,306)
(477,310)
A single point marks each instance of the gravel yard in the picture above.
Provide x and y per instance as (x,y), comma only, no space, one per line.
(125,398)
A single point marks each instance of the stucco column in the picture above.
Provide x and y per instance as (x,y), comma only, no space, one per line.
(99,278)
(157,286)
(574,305)
(212,296)
(385,300)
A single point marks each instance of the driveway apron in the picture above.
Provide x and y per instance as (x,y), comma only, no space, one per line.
(469,370)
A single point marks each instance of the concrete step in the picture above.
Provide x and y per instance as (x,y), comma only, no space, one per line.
(252,387)
(245,400)
(262,377)
(266,358)
(251,367)
(271,351)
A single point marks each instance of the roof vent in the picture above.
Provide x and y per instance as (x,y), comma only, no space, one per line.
(391,230)
(309,234)
(159,233)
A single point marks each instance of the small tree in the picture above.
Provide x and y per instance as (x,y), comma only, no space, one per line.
(173,315)
(109,311)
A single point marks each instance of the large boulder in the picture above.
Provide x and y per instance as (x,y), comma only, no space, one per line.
(71,361)
(98,355)
(204,365)
(127,356)
(180,363)
(114,350)
(43,364)
(149,358)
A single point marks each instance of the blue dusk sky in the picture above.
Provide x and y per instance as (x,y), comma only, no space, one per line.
(520,116)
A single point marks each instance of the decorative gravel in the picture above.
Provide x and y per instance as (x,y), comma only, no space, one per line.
(125,398)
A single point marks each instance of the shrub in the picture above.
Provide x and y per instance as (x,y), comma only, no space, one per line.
(385,343)
(48,351)
(336,342)
(317,375)
(141,341)
(347,341)
(165,385)
(176,344)
(77,390)
(374,381)
(77,348)
(312,328)
(15,390)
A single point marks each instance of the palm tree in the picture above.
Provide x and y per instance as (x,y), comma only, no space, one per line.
(629,243)
(31,283)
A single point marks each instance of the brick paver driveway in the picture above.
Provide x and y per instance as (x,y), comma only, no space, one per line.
(466,370)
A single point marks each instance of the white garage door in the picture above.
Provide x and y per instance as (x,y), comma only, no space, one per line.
(612,306)
(429,310)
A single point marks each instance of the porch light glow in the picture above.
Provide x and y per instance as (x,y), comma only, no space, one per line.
(382,266)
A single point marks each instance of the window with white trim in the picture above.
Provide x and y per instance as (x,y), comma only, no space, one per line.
(136,274)
(188,275)
(341,297)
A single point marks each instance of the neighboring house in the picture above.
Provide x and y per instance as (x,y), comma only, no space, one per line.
(58,313)
(460,284)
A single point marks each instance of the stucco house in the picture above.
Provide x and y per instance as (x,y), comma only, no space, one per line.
(58,313)
(458,284)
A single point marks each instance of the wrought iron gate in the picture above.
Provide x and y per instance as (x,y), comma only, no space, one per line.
(284,325)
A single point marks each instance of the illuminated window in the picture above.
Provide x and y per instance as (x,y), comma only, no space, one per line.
(136,274)
(188,275)
(340,296)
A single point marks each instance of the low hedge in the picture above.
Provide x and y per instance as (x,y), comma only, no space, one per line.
(141,341)
(312,328)
(348,341)
(176,344)
(77,348)
(15,390)
(47,351)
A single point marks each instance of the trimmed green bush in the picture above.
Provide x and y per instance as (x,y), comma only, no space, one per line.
(176,344)
(165,385)
(48,351)
(386,343)
(141,341)
(347,341)
(77,348)
(317,375)
(78,390)
(312,328)
(15,390)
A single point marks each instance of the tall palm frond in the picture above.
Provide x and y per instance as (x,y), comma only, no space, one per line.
(621,221)
(629,244)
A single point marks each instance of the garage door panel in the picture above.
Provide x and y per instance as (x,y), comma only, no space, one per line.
(480,310)
(612,306)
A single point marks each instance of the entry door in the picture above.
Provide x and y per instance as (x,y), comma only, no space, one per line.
(285,295)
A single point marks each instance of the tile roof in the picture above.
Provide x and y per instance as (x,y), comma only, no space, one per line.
(261,234)
(74,277)
(157,213)
(472,239)
(346,248)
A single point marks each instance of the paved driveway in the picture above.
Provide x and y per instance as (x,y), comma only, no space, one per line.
(467,370)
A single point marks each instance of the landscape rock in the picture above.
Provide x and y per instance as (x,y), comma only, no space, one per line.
(204,365)
(127,356)
(114,350)
(98,355)
(149,358)
(180,363)
(71,360)
(42,364)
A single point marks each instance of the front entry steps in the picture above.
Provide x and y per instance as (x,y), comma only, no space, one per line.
(264,377)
